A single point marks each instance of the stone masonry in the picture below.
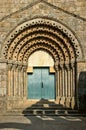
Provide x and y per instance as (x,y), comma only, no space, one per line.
(55,26)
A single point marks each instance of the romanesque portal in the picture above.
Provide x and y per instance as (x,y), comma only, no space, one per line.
(50,36)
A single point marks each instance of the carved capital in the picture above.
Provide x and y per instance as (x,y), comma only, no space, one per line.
(15,66)
(3,60)
(9,66)
(61,66)
(56,67)
(67,66)
(19,67)
(24,68)
(72,65)
(56,63)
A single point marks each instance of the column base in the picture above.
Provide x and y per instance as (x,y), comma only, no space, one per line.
(73,102)
(62,100)
(68,102)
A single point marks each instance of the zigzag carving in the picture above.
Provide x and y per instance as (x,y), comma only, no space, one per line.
(41,33)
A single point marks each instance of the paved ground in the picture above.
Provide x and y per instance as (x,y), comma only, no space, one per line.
(42,123)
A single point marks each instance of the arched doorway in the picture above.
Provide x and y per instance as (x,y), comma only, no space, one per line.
(52,37)
(41,76)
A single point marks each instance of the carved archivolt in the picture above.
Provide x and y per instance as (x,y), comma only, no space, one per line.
(45,34)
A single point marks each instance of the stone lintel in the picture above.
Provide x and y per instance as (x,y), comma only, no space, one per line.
(52,70)
(30,70)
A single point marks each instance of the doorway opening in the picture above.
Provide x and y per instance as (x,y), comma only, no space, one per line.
(41,84)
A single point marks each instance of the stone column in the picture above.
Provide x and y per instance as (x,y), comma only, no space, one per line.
(22,82)
(73,80)
(15,79)
(9,88)
(12,81)
(19,82)
(68,86)
(25,81)
(60,80)
(65,80)
(62,85)
(69,83)
(57,82)
(73,91)
(68,80)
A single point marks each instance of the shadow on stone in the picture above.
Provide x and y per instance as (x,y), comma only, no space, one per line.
(45,107)
(11,125)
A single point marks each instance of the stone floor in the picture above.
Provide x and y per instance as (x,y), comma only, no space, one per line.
(42,123)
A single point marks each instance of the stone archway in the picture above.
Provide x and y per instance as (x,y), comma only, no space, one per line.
(58,41)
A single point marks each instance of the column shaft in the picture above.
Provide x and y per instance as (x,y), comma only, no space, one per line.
(19,86)
(60,80)
(66,83)
(15,80)
(12,80)
(58,83)
(63,86)
(9,83)
(25,80)
(73,75)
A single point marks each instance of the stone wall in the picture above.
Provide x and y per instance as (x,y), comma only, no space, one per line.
(3,79)
(71,13)
(3,86)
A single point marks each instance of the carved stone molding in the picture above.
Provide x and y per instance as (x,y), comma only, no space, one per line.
(47,35)
(52,35)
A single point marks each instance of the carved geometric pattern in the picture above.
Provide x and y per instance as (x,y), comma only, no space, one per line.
(41,33)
